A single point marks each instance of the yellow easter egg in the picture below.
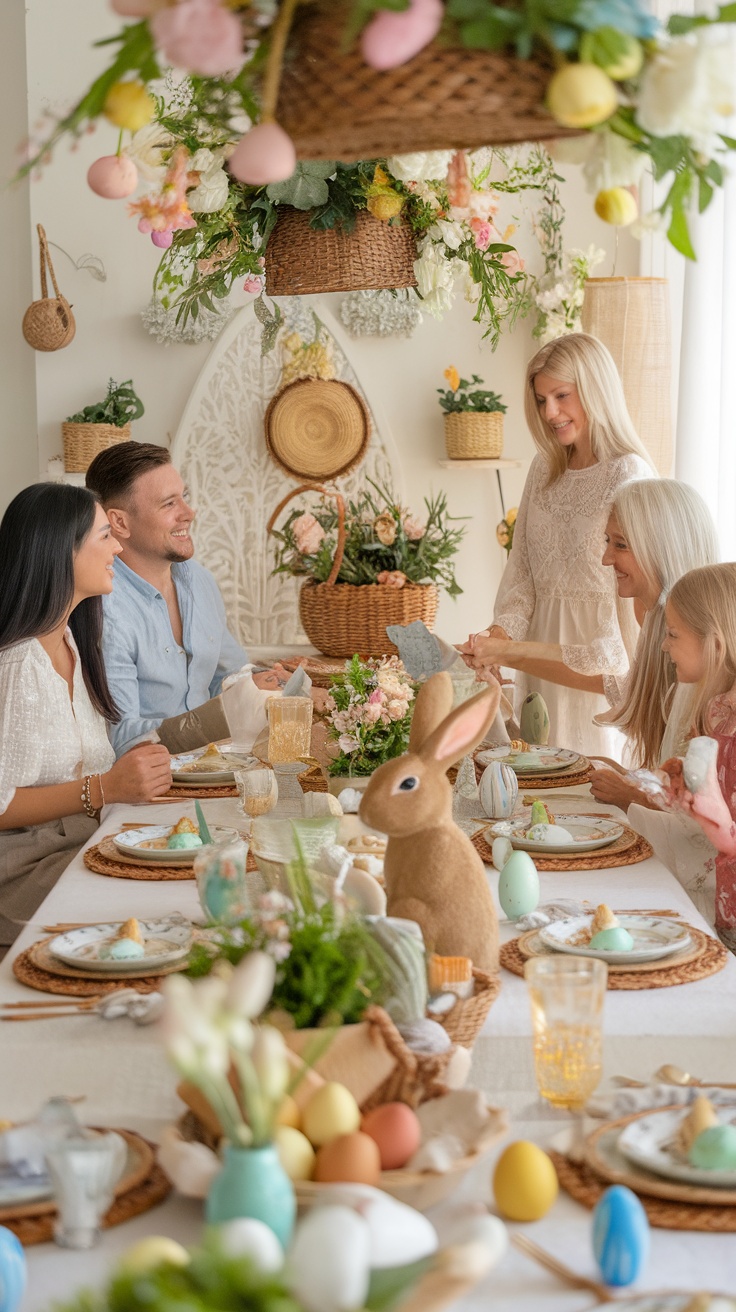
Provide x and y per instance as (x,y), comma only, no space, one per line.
(128,105)
(330,1112)
(616,205)
(296,1153)
(288,1113)
(153,1251)
(581,95)
(524,1182)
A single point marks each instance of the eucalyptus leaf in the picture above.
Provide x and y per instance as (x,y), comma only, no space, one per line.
(306,188)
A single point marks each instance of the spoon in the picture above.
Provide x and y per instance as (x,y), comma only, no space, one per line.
(669,1074)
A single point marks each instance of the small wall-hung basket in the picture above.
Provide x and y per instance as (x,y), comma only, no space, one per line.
(473,436)
(317,428)
(48,324)
(82,442)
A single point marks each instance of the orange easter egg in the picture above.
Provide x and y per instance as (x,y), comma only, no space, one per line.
(351,1157)
(396,1130)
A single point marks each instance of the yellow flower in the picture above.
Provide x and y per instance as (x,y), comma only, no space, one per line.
(128,105)
(511,516)
(384,527)
(503,537)
(452,377)
(385,207)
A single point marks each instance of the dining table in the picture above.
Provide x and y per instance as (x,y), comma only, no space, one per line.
(120,1071)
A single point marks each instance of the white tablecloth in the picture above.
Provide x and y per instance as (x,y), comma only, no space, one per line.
(126,1082)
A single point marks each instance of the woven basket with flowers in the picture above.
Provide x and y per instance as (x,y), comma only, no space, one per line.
(473,418)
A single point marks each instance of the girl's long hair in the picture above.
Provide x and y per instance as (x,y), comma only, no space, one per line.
(669,530)
(705,601)
(40,533)
(583,360)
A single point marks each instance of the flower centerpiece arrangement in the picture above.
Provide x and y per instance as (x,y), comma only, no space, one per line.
(368,713)
(100,425)
(473,418)
(505,529)
(368,563)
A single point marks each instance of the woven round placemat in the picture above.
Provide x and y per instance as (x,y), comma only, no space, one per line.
(582,1184)
(104,859)
(317,428)
(627,850)
(140,1196)
(636,1177)
(45,960)
(35,977)
(571,777)
(180,792)
(531,945)
(712,959)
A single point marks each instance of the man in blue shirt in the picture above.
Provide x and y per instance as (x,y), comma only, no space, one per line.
(166,644)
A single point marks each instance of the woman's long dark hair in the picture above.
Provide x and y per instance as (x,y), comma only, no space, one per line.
(40,532)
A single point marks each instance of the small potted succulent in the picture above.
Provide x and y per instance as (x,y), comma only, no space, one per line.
(473,418)
(99,426)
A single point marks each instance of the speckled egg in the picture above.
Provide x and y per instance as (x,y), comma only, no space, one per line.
(617,939)
(714,1149)
(184,840)
(518,886)
(499,789)
(620,1236)
(534,719)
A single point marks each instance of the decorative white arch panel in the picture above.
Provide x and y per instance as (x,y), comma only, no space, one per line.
(220,450)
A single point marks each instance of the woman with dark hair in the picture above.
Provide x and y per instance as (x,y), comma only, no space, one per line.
(57,768)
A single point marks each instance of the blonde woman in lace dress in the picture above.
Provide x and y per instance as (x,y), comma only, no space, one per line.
(57,767)
(555,588)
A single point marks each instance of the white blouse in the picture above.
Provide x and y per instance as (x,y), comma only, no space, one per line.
(46,736)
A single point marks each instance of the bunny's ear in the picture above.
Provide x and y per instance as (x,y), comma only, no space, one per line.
(463,728)
(433,704)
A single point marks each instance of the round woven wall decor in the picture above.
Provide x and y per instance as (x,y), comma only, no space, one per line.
(317,428)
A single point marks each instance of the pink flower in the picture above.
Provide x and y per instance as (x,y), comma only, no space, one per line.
(200,36)
(393,578)
(253,284)
(169,210)
(512,262)
(308,534)
(371,714)
(347,743)
(482,232)
(459,188)
(376,696)
(413,529)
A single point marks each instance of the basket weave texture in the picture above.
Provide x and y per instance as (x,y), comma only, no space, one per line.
(48,324)
(317,428)
(471,436)
(334,106)
(467,1018)
(301,260)
(82,442)
(341,619)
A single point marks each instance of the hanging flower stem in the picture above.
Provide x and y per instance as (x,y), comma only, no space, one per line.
(274,63)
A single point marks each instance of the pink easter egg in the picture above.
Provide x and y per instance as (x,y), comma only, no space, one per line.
(265,154)
(391,39)
(113,177)
(162,239)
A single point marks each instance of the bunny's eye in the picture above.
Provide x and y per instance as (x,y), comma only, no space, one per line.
(409,784)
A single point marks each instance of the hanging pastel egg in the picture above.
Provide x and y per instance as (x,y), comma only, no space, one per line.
(499,789)
(113,177)
(265,154)
(391,39)
(501,850)
(620,1235)
(534,719)
(518,886)
(12,1271)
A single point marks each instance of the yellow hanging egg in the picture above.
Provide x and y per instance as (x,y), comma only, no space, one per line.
(524,1182)
(616,205)
(128,105)
(581,95)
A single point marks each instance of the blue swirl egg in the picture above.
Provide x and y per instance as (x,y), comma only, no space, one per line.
(620,1235)
(12,1271)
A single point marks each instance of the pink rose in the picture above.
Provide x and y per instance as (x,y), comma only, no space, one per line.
(200,36)
(396,710)
(371,714)
(308,534)
(482,233)
(413,529)
(376,696)
(253,284)
(392,578)
(512,262)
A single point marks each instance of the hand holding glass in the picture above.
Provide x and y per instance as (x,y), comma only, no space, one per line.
(566,995)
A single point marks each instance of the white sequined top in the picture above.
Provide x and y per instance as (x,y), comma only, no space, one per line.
(45,736)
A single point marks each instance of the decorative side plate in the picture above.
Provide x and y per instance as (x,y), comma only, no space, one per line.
(587,835)
(650,1142)
(654,937)
(538,760)
(222,775)
(164,942)
(135,843)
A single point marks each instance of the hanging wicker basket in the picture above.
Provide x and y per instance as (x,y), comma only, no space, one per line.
(82,442)
(301,260)
(471,436)
(48,324)
(335,107)
(342,619)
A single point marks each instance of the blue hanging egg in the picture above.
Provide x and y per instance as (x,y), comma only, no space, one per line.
(12,1271)
(499,789)
(518,886)
(620,1235)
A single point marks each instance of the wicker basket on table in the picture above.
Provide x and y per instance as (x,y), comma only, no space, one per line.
(342,619)
(473,436)
(301,260)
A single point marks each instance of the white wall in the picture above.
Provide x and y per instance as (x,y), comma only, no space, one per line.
(111,340)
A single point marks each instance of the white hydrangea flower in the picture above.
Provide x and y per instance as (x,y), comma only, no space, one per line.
(435,279)
(420,166)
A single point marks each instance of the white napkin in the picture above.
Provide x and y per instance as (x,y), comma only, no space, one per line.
(143,1008)
(561,909)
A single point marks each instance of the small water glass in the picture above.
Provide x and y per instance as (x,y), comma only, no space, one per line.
(289,731)
(84,1171)
(567,995)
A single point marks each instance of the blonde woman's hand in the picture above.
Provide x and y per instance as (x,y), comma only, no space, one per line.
(614,789)
(141,775)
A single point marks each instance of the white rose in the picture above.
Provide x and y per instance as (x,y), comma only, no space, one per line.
(420,166)
(451,234)
(146,151)
(202,161)
(210,194)
(686,87)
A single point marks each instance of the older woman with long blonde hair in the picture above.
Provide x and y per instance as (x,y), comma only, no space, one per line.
(555,588)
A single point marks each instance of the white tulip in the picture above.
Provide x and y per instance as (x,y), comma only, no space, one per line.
(271,1063)
(251,985)
(328,1266)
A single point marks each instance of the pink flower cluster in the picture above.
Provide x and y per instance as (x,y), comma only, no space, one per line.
(386,704)
(201,36)
(308,532)
(161,215)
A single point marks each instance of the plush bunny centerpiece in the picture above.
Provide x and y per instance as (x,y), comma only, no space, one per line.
(432,872)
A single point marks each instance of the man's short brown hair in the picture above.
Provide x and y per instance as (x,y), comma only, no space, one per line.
(114,471)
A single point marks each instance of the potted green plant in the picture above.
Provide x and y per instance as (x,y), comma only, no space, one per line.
(473,418)
(99,426)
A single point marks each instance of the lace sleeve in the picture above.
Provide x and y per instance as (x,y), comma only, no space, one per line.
(22,724)
(516,596)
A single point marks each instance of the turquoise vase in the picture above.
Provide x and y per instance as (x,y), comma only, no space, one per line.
(253,1183)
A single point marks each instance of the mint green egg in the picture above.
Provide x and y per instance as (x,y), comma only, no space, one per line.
(184,840)
(125,949)
(715,1149)
(534,719)
(518,886)
(612,940)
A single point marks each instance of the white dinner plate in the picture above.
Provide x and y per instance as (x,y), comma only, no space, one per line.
(654,937)
(587,835)
(537,760)
(649,1142)
(132,843)
(17,1190)
(214,777)
(164,943)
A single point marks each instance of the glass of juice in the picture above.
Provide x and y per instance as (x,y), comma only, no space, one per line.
(566,995)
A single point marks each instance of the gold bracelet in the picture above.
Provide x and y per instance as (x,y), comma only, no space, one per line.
(90,810)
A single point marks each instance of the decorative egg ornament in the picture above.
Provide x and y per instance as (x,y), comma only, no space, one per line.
(113,177)
(534,720)
(518,886)
(620,1236)
(391,39)
(12,1271)
(524,1182)
(499,789)
(265,154)
(581,96)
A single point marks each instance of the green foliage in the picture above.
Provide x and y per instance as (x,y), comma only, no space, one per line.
(427,559)
(120,407)
(333,972)
(306,188)
(462,400)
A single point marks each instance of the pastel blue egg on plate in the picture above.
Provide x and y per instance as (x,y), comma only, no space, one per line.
(12,1270)
(620,1236)
(518,886)
(617,939)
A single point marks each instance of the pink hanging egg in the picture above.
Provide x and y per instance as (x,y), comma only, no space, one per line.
(265,154)
(113,177)
(391,39)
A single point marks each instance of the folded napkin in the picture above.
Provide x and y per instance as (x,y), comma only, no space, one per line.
(561,909)
(143,1008)
(23,1147)
(622,1102)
